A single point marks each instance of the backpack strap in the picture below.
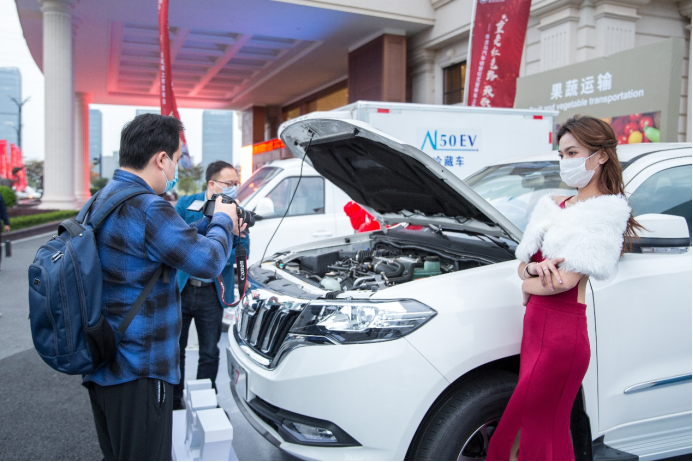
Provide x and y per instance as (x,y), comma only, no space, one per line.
(104,209)
(140,300)
(87,207)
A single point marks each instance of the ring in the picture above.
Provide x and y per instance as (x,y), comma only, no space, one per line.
(545,269)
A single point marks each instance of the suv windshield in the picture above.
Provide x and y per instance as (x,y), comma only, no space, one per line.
(514,189)
(255,183)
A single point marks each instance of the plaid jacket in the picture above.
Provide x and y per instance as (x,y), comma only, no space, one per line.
(133,242)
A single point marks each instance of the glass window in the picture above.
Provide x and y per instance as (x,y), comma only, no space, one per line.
(453,83)
(255,182)
(308,200)
(514,189)
(667,192)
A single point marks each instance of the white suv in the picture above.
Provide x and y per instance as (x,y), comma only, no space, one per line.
(404,343)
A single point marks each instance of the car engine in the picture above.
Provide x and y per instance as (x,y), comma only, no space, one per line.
(385,265)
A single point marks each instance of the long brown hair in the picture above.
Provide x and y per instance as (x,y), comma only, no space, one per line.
(597,135)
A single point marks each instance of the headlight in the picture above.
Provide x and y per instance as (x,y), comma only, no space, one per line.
(361,321)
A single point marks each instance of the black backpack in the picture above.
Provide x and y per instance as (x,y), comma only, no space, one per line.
(65,282)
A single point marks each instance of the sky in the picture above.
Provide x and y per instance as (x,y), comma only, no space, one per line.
(15,53)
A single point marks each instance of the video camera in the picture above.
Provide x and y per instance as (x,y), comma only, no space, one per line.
(245,215)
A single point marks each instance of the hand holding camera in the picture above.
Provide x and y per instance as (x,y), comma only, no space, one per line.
(220,203)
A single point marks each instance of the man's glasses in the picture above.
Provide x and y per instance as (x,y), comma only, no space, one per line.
(227,184)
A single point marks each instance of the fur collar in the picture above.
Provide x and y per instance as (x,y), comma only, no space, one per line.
(589,235)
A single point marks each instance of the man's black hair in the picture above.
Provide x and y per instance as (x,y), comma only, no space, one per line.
(147,134)
(215,167)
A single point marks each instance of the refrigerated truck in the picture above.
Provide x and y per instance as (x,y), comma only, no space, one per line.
(464,139)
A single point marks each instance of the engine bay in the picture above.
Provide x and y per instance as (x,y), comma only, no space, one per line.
(385,264)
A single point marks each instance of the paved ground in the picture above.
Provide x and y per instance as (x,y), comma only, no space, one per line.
(45,415)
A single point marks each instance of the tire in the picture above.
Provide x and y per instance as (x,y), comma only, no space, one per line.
(458,425)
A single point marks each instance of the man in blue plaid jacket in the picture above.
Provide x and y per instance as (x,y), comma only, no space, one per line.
(132,395)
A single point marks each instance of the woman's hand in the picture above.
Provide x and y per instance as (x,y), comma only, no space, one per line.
(545,269)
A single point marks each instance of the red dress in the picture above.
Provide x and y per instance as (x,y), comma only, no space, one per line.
(554,356)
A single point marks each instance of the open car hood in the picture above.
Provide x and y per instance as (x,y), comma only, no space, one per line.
(392,181)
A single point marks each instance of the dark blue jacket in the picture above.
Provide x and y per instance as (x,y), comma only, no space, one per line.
(225,282)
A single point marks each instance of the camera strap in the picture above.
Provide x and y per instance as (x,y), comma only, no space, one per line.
(241,276)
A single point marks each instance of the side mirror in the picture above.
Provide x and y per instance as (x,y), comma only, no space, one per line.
(662,234)
(265,208)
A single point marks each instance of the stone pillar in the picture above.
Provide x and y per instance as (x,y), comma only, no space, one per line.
(58,71)
(685,11)
(378,70)
(82,160)
(559,34)
(615,26)
(423,76)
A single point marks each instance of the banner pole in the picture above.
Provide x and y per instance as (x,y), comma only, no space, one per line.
(469,55)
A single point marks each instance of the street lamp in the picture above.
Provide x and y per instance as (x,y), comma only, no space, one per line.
(19,131)
(18,128)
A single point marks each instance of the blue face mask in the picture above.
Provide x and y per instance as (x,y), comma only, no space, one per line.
(230,191)
(170,184)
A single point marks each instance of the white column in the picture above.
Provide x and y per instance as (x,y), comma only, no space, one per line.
(58,71)
(422,63)
(615,26)
(81,160)
(559,30)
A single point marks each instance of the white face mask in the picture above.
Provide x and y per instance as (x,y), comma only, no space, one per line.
(574,173)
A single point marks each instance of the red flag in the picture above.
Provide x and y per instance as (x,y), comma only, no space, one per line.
(18,162)
(167,97)
(498,36)
(4,165)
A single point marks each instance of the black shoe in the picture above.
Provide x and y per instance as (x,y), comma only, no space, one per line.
(178,404)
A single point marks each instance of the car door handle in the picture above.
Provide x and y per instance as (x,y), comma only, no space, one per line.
(322,234)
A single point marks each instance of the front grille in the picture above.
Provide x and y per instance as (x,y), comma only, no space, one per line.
(264,325)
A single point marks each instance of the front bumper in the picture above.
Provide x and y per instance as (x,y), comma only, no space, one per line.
(377,393)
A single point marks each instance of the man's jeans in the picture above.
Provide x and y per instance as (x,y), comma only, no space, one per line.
(201,304)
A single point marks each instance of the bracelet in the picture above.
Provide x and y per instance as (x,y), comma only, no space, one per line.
(525,272)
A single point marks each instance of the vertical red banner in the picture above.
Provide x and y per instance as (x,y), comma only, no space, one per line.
(4,165)
(498,37)
(167,98)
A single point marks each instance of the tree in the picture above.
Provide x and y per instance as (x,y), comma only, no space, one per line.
(188,178)
(98,183)
(34,173)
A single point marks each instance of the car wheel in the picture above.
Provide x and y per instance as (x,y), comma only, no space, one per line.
(462,421)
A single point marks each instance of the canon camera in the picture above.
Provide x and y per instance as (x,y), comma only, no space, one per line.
(245,215)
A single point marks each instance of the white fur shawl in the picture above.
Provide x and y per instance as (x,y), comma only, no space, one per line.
(589,235)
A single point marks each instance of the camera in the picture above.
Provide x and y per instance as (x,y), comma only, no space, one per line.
(245,215)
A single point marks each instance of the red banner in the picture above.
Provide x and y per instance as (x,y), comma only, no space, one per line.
(498,36)
(16,161)
(4,166)
(167,98)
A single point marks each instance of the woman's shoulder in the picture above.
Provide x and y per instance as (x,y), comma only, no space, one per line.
(559,199)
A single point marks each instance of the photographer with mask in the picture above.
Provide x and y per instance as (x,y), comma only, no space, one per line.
(132,394)
(204,299)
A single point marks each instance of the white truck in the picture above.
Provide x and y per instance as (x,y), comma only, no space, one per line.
(461,138)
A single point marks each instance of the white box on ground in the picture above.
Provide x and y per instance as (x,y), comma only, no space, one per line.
(193,385)
(216,434)
(199,400)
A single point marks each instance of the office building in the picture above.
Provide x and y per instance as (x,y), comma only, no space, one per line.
(110,164)
(95,135)
(10,87)
(217,136)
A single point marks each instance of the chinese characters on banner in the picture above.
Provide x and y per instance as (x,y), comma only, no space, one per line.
(497,40)
(167,98)
(4,165)
(16,161)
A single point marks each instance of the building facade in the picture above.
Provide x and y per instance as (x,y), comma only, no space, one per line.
(10,91)
(276,60)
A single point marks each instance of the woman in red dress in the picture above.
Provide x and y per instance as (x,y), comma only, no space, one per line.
(567,240)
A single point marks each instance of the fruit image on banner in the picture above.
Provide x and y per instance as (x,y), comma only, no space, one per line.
(636,128)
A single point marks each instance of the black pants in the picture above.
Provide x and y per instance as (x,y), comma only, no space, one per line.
(134,420)
(202,305)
